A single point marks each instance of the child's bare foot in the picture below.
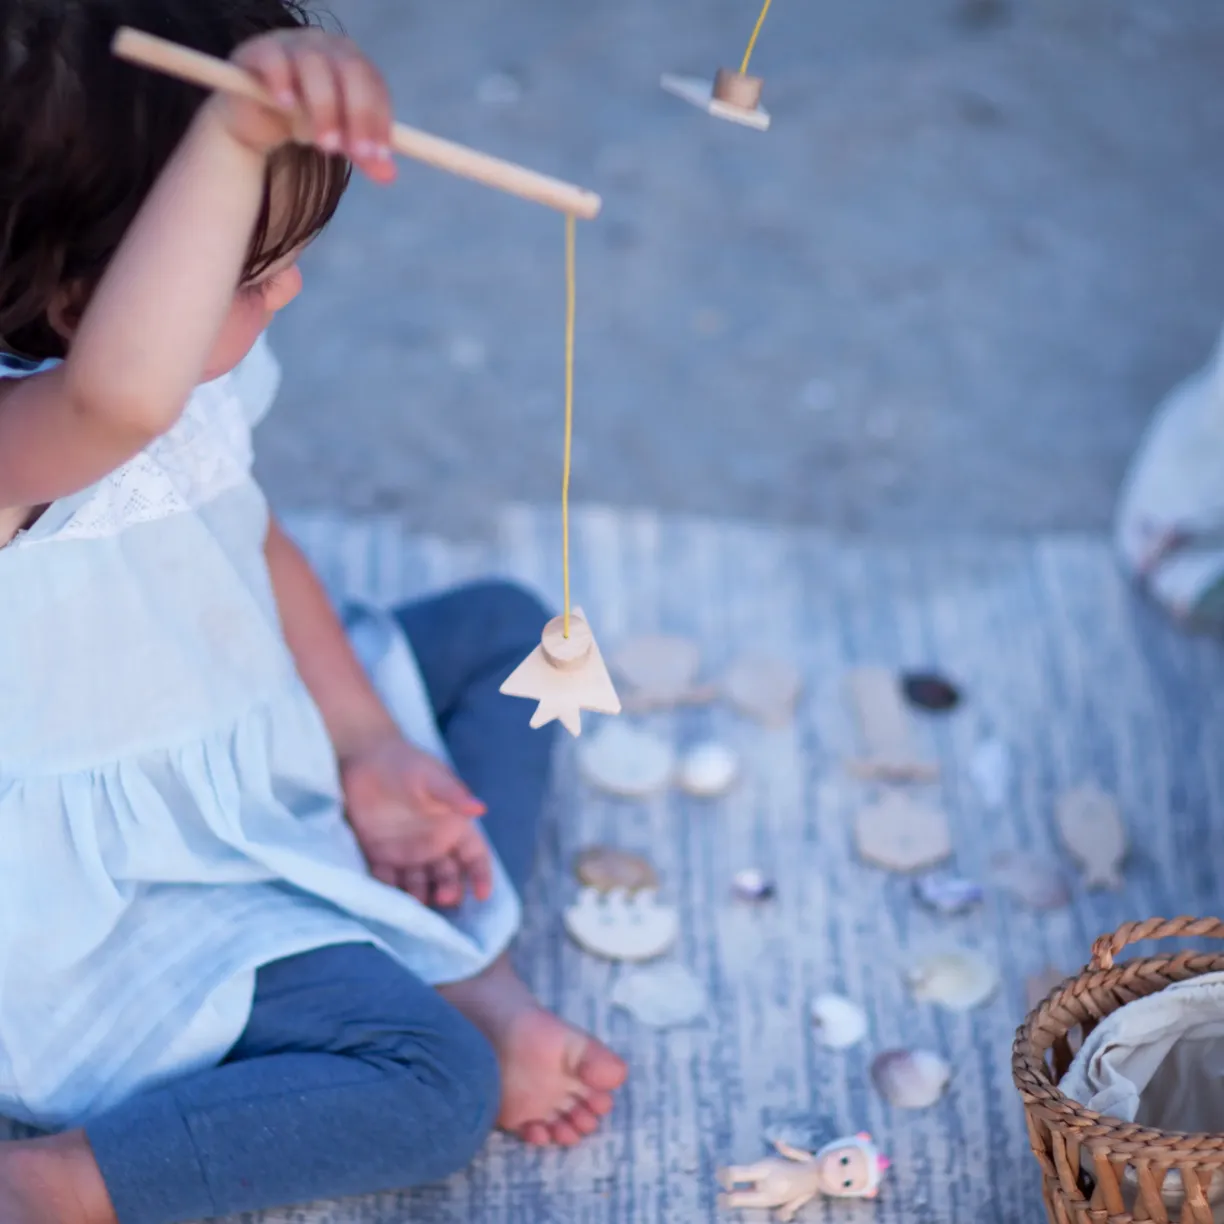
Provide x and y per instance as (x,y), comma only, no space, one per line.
(52,1181)
(557,1082)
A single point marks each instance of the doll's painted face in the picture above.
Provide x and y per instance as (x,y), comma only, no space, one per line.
(851,1168)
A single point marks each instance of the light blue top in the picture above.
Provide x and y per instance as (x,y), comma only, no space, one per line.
(170,810)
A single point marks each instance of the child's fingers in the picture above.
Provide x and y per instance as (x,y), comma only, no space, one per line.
(268,59)
(447,796)
(367,116)
(447,882)
(318,92)
(415,882)
(473,856)
(388,875)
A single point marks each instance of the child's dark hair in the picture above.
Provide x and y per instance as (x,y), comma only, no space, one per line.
(84,136)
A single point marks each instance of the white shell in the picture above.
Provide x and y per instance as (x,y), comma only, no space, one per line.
(910,1079)
(662,996)
(709,770)
(839,1023)
(752,884)
(958,981)
(625,761)
(1031,880)
(622,926)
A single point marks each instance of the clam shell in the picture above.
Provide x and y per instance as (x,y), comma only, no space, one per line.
(910,1079)
(958,980)
(625,761)
(839,1022)
(709,770)
(1032,880)
(752,884)
(948,894)
(662,996)
(606,868)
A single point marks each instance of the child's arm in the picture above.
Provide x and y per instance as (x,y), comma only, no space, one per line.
(152,320)
(352,711)
(412,817)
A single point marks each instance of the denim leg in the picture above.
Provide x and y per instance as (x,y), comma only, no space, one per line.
(467,641)
(352,1077)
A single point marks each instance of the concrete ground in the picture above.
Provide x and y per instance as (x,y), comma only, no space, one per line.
(944,292)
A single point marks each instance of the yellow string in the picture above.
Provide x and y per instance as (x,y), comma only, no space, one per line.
(752,40)
(570,295)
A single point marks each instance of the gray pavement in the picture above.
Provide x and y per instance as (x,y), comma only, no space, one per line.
(944,292)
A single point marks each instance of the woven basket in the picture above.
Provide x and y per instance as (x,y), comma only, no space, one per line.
(1100,1170)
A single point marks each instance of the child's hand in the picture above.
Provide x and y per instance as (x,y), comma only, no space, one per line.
(332,95)
(415,822)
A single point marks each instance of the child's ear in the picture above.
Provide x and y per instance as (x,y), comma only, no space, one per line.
(67,308)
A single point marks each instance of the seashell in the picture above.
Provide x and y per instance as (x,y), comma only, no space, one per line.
(930,691)
(625,761)
(709,770)
(751,884)
(620,926)
(958,981)
(910,1079)
(839,1022)
(1031,880)
(605,869)
(662,996)
(948,894)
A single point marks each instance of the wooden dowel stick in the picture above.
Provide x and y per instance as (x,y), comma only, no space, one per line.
(211,73)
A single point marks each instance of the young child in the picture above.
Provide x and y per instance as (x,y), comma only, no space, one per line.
(252,938)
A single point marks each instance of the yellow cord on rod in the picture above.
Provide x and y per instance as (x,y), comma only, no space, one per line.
(752,40)
(570,295)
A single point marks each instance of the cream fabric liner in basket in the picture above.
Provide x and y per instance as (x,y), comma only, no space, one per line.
(1159,1061)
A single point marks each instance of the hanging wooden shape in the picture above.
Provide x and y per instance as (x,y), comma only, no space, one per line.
(733,96)
(566,675)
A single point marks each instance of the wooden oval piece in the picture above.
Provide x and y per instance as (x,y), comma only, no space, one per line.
(605,868)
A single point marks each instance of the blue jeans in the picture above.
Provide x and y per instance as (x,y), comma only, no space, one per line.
(353,1076)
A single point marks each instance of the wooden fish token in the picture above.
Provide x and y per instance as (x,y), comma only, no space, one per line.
(660,670)
(1092,830)
(885,728)
(901,834)
(606,869)
(622,926)
(764,688)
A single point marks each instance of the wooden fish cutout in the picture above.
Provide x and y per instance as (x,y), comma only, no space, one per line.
(566,675)
(1092,830)
(885,729)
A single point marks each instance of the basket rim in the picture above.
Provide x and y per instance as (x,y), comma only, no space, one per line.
(1038,1090)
